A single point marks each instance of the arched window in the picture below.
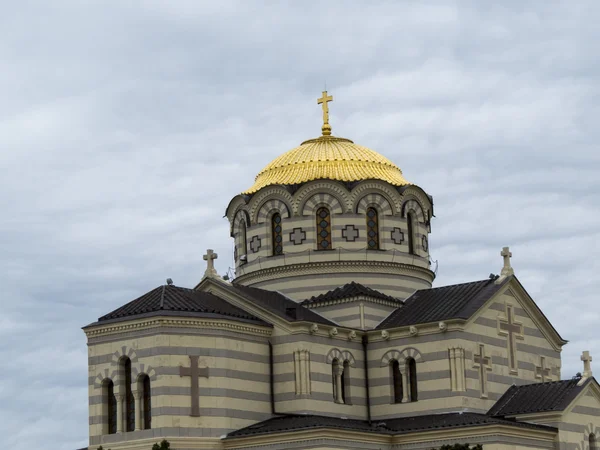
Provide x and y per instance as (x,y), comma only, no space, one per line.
(243,244)
(111,407)
(146,402)
(129,398)
(346,383)
(592,442)
(372,229)
(337,372)
(323,229)
(411,236)
(412,379)
(396,381)
(277,234)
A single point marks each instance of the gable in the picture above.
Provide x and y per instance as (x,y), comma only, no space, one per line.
(271,307)
(537,329)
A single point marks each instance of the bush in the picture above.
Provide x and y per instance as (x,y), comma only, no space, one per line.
(164,445)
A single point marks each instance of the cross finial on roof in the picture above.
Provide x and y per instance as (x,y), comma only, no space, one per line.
(326,128)
(210,263)
(587,364)
(507,269)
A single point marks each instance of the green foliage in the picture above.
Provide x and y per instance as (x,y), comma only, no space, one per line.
(164,445)
(461,447)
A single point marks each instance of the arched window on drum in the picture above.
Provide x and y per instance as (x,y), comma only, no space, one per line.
(372,229)
(276,232)
(323,229)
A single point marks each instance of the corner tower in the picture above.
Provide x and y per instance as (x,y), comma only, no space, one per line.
(327,213)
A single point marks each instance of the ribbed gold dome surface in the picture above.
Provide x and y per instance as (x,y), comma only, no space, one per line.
(328,157)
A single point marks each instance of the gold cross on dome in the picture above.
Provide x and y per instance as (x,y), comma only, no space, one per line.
(326,128)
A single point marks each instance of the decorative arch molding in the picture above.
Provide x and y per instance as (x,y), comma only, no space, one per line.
(115,374)
(401,356)
(373,187)
(413,205)
(416,193)
(145,370)
(240,215)
(310,190)
(264,195)
(376,200)
(341,356)
(237,202)
(270,206)
(105,375)
(318,200)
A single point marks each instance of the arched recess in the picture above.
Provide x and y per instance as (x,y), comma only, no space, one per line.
(340,355)
(413,205)
(238,202)
(126,389)
(318,200)
(145,401)
(411,368)
(397,391)
(240,215)
(592,442)
(109,407)
(269,193)
(334,189)
(240,230)
(401,355)
(378,201)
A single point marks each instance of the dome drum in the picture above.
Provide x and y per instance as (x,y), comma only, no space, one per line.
(325,224)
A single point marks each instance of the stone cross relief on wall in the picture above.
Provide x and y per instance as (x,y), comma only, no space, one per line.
(194,373)
(513,331)
(542,372)
(484,364)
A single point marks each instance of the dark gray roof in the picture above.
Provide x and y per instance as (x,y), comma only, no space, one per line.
(279,304)
(175,300)
(402,425)
(539,397)
(458,301)
(350,290)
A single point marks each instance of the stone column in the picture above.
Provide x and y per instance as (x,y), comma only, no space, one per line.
(453,371)
(120,398)
(339,370)
(461,369)
(137,395)
(405,391)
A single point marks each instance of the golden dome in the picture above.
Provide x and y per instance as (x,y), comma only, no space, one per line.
(328,157)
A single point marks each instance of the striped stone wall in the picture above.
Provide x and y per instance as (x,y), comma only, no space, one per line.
(581,421)
(432,353)
(320,400)
(235,394)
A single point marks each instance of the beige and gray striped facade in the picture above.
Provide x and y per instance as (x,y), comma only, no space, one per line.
(238,390)
(303,270)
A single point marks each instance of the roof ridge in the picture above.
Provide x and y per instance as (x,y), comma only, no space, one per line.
(453,285)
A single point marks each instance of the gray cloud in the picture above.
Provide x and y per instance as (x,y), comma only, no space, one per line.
(126,127)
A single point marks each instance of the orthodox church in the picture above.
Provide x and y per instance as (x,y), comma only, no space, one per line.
(330,334)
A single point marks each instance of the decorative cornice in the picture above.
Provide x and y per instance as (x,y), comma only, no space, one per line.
(158,322)
(315,268)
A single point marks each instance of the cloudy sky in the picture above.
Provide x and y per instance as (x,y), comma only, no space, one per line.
(127,126)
